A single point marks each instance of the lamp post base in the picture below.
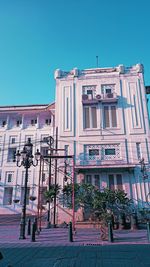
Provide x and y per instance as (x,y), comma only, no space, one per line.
(22,231)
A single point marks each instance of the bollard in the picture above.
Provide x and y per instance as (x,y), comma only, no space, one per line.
(29,227)
(33,232)
(148,231)
(70,232)
(110,232)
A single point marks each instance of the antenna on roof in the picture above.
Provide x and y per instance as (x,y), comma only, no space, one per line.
(97,61)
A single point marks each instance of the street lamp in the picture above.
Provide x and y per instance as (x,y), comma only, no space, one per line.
(25,158)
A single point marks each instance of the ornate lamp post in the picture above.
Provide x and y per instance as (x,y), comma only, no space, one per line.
(25,158)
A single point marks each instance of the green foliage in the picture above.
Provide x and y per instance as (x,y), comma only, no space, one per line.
(53,191)
(101,204)
(144,214)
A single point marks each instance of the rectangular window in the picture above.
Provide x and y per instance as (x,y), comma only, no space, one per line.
(18,123)
(90,117)
(8,191)
(12,139)
(9,177)
(93,152)
(110,151)
(89,90)
(33,122)
(3,123)
(22,195)
(119,181)
(11,154)
(107,88)
(88,179)
(48,121)
(28,138)
(97,180)
(138,150)
(111,181)
(110,116)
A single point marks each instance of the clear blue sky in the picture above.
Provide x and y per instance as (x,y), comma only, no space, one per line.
(38,36)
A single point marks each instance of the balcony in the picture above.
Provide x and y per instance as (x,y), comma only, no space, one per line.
(86,164)
(89,99)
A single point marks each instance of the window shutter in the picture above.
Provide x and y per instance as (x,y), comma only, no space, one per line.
(94,117)
(86,118)
(113,116)
(106,117)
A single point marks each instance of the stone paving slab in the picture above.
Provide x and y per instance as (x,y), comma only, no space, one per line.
(102,256)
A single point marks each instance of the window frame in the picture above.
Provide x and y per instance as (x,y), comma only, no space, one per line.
(115,185)
(91,122)
(110,86)
(110,117)
(110,153)
(11,159)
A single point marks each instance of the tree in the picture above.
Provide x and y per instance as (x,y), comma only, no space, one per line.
(100,204)
(53,191)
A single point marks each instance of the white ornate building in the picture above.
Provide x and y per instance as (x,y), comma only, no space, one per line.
(18,124)
(102,119)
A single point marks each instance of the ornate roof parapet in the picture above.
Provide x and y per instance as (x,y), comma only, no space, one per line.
(120,69)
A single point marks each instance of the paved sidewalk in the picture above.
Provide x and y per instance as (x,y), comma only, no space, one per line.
(9,236)
(53,249)
(77,256)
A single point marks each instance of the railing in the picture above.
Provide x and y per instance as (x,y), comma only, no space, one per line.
(98,162)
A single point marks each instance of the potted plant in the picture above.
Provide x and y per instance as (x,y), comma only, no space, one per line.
(32,198)
(16,200)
